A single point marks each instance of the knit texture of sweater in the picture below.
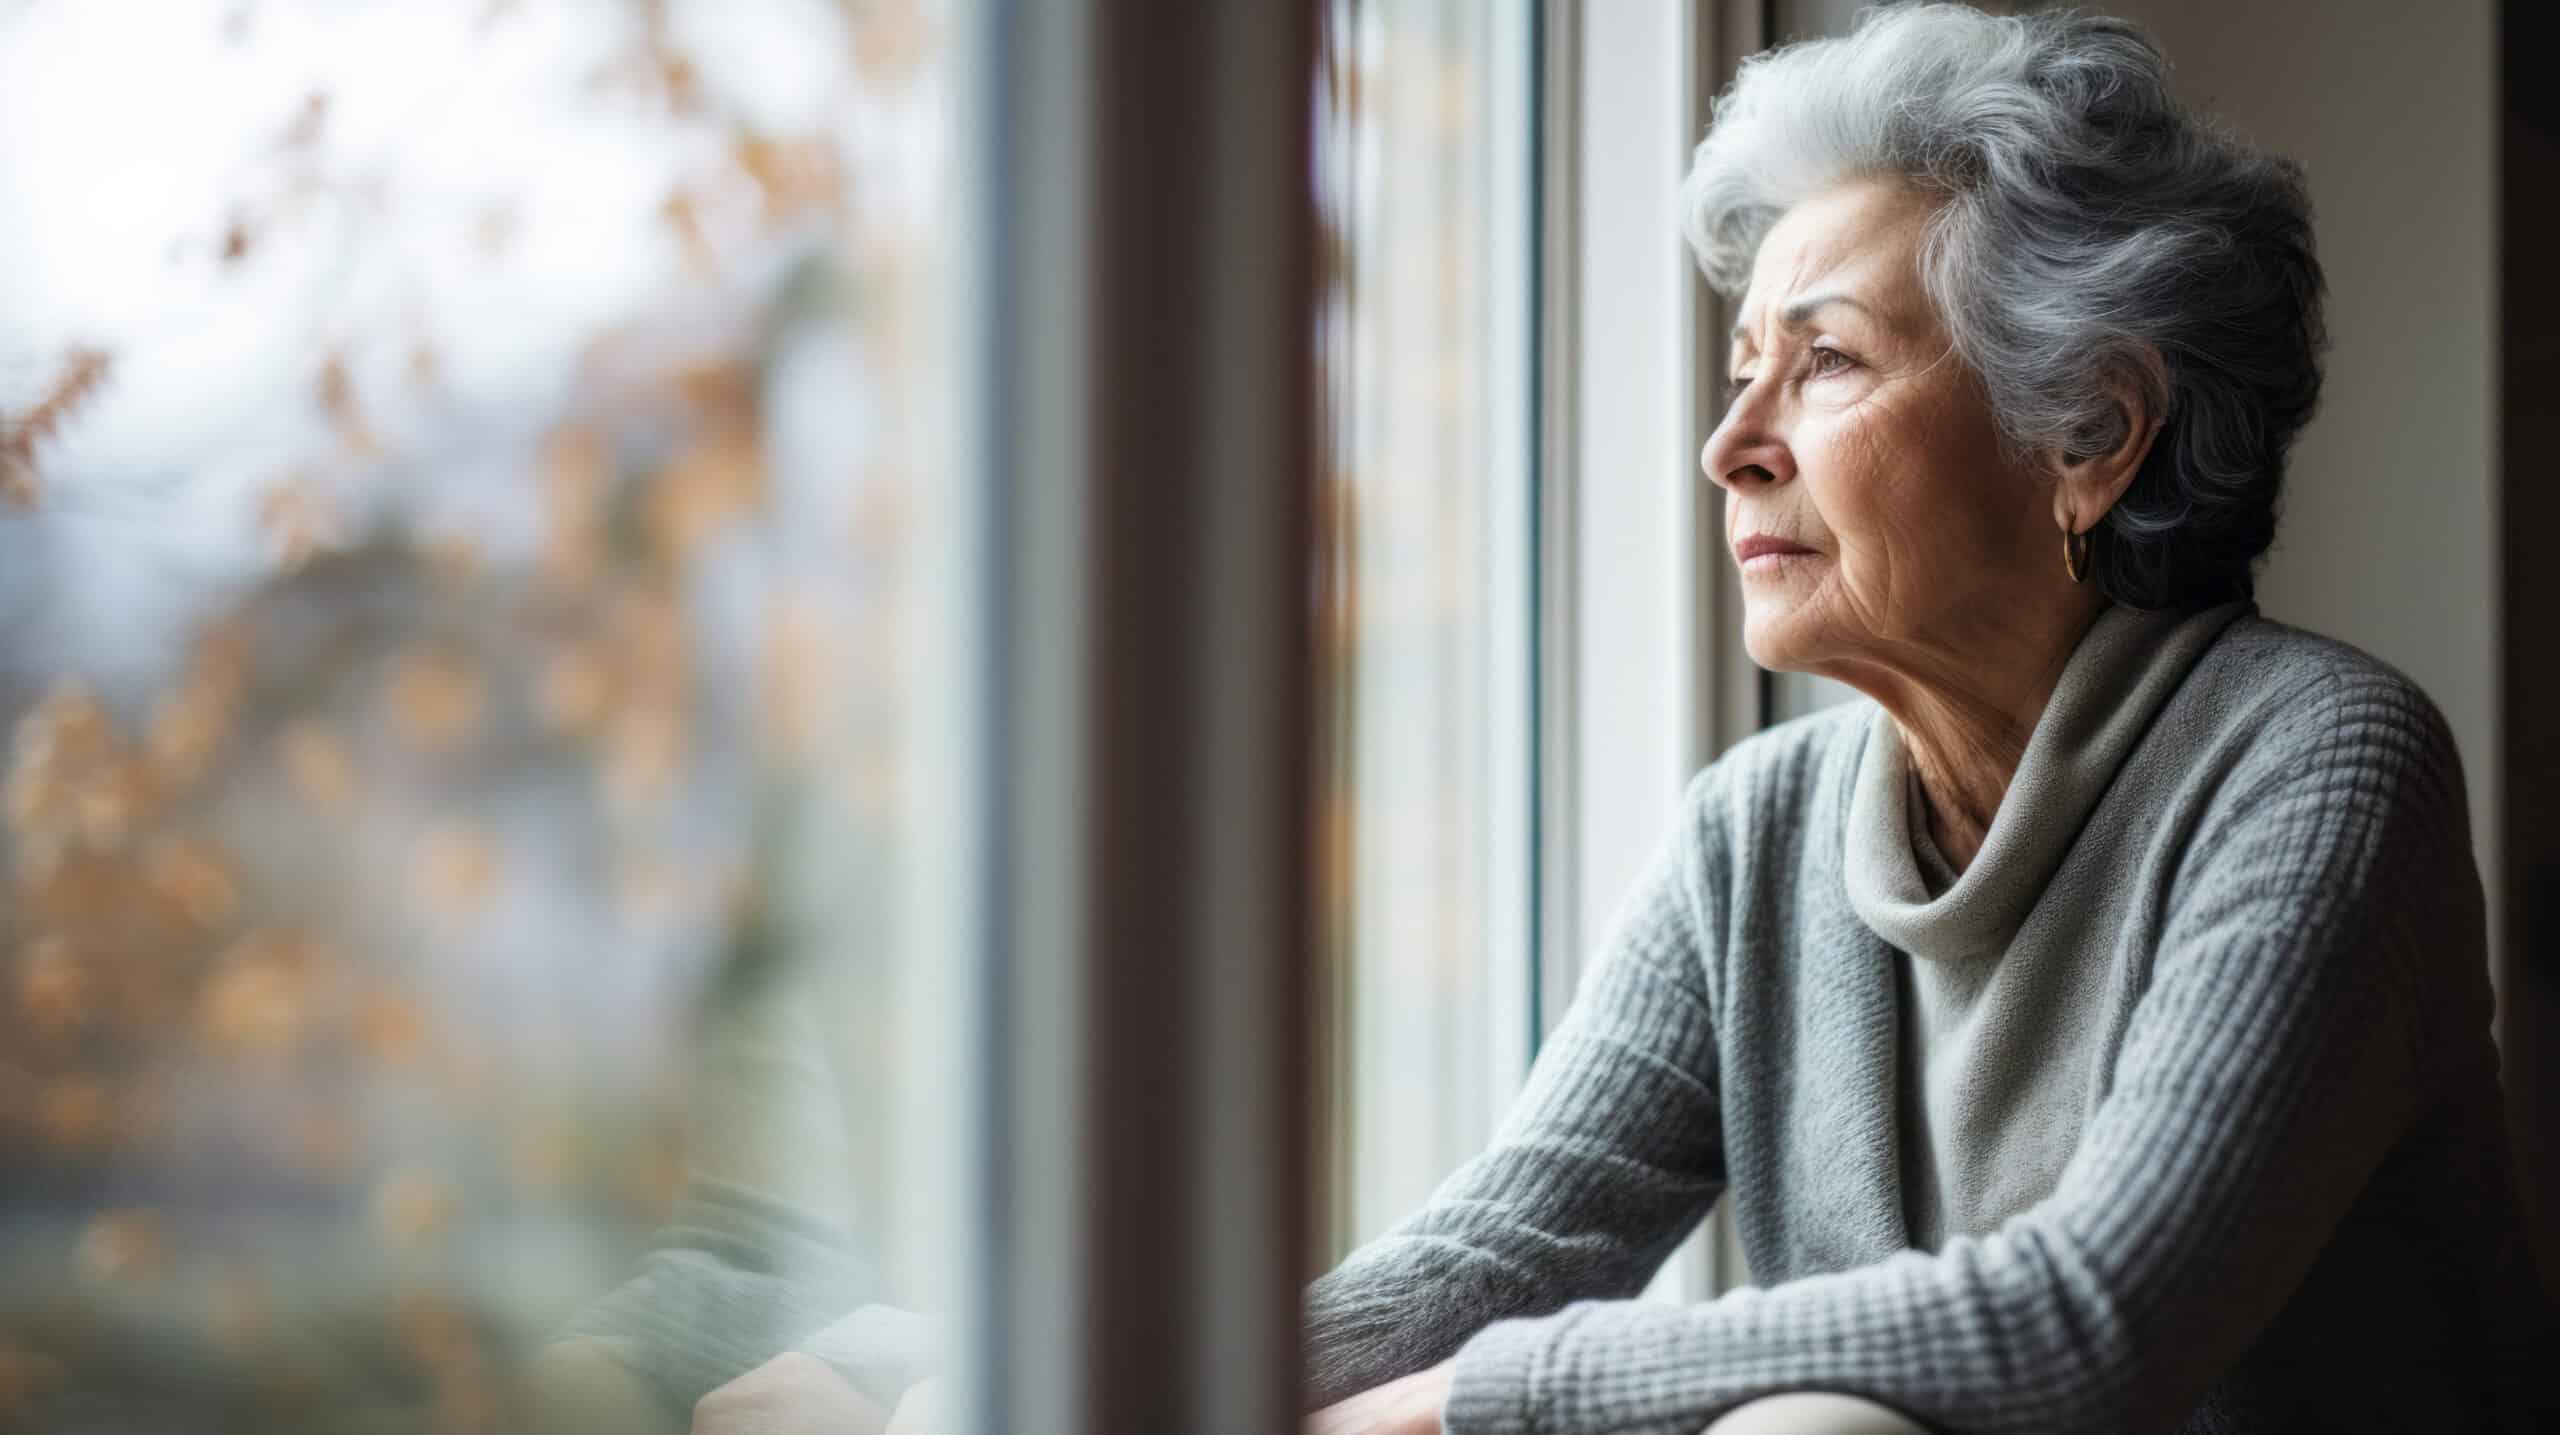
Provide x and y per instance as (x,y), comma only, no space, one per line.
(2177,1109)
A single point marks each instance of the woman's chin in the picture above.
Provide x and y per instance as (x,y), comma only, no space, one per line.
(1771,634)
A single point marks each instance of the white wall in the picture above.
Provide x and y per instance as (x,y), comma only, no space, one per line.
(2389,533)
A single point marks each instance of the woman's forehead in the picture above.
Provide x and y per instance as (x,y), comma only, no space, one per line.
(1859,242)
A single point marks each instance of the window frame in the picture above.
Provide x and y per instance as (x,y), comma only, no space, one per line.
(1136,422)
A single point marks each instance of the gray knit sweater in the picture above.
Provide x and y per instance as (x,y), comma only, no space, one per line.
(2176,1110)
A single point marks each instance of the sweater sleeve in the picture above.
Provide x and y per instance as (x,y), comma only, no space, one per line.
(755,1255)
(1612,1151)
(2271,1062)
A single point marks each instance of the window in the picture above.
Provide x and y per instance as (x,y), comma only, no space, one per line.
(479,854)
(662,698)
(1424,170)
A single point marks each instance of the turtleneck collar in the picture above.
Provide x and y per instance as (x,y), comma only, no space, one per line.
(2115,681)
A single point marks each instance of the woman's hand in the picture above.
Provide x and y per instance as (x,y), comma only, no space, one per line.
(791,1394)
(1410,1406)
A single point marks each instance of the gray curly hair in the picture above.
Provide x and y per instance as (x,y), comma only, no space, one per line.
(2094,232)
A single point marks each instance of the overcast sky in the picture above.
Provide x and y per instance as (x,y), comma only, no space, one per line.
(227,197)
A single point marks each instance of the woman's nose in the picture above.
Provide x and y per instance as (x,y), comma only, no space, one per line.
(1744,451)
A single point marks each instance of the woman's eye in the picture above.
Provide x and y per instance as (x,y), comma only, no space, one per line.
(1734,386)
(1828,360)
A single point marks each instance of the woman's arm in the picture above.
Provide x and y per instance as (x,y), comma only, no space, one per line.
(2277,1055)
(1611,1153)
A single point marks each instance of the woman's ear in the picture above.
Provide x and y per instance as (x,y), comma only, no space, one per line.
(2087,484)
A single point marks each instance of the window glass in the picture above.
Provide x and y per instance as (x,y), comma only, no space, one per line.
(473,954)
(1423,167)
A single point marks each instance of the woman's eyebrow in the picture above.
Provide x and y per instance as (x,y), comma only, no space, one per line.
(1799,311)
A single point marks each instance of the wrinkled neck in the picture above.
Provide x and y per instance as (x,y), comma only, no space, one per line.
(1965,721)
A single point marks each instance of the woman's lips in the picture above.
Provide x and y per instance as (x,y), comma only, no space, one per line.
(1761,552)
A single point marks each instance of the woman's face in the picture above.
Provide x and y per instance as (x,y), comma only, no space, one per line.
(1861,452)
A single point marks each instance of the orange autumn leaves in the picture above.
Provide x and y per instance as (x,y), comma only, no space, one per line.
(134,935)
(84,372)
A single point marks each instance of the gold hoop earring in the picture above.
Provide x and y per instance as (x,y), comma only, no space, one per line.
(2075,550)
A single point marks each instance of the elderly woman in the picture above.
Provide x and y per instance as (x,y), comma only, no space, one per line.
(2093,1026)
